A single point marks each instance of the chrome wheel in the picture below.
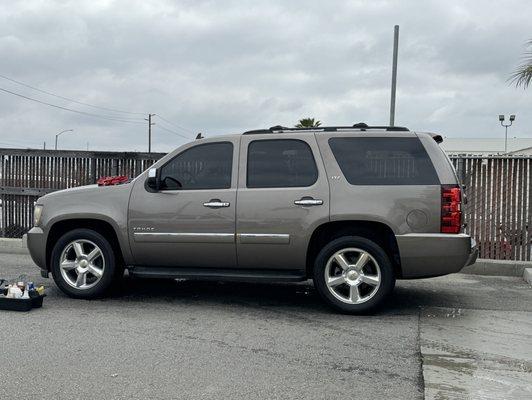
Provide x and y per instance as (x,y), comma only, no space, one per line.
(82,264)
(352,275)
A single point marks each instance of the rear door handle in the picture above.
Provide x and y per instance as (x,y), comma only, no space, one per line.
(216,203)
(308,201)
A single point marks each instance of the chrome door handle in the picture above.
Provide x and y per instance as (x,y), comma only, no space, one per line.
(215,203)
(308,202)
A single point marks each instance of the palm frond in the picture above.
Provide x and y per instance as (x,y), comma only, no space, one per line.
(308,123)
(522,76)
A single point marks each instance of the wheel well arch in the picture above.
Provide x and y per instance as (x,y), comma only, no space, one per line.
(378,232)
(104,228)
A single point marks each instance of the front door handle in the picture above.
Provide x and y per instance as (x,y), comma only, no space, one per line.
(216,203)
(308,201)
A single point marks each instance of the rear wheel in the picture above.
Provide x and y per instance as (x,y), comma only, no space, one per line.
(353,274)
(83,264)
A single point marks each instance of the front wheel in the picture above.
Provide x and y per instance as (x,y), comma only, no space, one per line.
(353,274)
(83,264)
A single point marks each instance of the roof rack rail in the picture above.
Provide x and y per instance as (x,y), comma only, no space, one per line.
(361,125)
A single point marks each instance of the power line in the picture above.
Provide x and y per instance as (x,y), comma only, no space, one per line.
(18,140)
(175,125)
(17,145)
(175,133)
(107,117)
(71,110)
(68,99)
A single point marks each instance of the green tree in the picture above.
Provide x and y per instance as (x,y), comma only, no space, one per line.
(308,123)
(522,76)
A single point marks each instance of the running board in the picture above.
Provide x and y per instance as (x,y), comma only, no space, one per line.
(215,274)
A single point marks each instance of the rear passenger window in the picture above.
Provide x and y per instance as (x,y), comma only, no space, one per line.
(280,163)
(383,161)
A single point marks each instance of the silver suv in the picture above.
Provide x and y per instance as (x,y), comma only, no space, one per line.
(353,208)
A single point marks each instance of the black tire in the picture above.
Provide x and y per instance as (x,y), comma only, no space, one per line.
(383,289)
(110,270)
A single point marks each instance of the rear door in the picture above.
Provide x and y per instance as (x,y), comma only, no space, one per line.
(283,195)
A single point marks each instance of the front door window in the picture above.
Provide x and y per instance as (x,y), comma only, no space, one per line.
(206,166)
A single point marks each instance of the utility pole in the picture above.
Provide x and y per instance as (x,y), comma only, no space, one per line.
(44,146)
(149,130)
(394,73)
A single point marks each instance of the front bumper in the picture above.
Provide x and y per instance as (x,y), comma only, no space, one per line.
(425,255)
(36,241)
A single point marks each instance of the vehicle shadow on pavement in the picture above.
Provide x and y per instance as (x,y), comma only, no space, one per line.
(404,300)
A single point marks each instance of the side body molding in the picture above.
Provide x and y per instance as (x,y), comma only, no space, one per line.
(186,237)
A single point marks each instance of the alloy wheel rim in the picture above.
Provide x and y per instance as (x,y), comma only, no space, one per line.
(82,264)
(352,275)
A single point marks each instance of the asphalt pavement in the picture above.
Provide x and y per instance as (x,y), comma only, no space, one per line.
(445,337)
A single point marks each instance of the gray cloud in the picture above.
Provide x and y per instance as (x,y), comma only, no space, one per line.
(229,66)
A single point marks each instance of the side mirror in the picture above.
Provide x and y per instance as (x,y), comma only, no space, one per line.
(153,180)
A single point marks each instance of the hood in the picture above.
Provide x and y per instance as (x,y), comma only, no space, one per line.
(85,192)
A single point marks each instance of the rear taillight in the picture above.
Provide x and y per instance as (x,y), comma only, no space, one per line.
(451,209)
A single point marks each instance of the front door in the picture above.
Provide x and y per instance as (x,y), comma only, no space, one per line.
(190,221)
(283,195)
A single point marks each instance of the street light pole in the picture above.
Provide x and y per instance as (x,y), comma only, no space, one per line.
(57,135)
(501,119)
(394,73)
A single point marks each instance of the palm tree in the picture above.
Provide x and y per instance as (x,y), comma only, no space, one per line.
(522,76)
(308,123)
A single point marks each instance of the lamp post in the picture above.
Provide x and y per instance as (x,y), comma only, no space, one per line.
(394,73)
(501,119)
(57,135)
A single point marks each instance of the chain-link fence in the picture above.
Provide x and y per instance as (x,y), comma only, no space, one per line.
(25,175)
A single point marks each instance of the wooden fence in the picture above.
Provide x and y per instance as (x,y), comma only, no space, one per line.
(25,175)
(498,191)
(497,213)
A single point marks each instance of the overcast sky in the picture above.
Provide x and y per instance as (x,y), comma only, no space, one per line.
(229,66)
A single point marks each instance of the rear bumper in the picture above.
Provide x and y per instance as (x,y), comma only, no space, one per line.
(425,255)
(474,253)
(36,241)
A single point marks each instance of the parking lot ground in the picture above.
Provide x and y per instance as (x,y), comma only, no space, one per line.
(440,338)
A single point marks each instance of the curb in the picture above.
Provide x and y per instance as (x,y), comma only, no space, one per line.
(497,267)
(527,276)
(13,246)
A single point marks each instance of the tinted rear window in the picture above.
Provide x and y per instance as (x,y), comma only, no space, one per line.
(383,161)
(280,163)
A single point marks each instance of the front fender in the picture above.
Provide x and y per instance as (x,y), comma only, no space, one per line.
(107,204)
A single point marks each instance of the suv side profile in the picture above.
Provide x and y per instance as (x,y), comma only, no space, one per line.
(352,208)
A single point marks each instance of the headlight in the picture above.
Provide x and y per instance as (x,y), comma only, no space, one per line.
(37,212)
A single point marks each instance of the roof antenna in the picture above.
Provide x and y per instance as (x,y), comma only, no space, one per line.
(277,128)
(200,136)
(361,125)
